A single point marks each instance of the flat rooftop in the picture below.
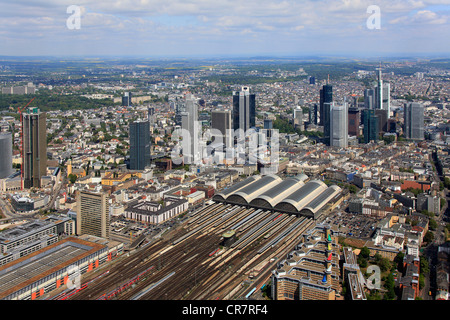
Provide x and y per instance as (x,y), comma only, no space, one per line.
(24,271)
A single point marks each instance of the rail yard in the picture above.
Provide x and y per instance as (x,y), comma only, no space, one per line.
(194,261)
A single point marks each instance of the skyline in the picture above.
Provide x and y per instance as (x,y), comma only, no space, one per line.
(199,28)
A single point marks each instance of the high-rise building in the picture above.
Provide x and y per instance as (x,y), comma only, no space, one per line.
(382,120)
(339,125)
(189,123)
(414,121)
(5,155)
(369,99)
(326,118)
(151,116)
(34,144)
(370,125)
(326,96)
(382,95)
(386,103)
(126,99)
(312,80)
(298,116)
(353,121)
(139,145)
(312,116)
(221,120)
(244,109)
(93,214)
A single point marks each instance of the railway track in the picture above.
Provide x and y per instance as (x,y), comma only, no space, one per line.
(183,267)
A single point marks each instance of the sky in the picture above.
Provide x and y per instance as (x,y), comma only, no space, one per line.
(221,28)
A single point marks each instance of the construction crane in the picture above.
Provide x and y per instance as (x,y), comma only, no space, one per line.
(21,141)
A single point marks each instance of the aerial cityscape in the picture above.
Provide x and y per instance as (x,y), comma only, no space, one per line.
(252,176)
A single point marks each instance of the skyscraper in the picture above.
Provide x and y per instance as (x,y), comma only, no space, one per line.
(189,123)
(244,109)
(353,121)
(139,145)
(221,120)
(5,155)
(151,116)
(313,114)
(298,116)
(382,95)
(93,214)
(34,144)
(369,99)
(370,125)
(382,120)
(386,103)
(126,99)
(379,92)
(414,121)
(326,118)
(326,96)
(339,125)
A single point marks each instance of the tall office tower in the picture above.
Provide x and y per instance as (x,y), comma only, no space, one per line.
(312,80)
(93,214)
(386,101)
(339,125)
(382,120)
(379,91)
(180,107)
(139,134)
(353,121)
(34,144)
(413,121)
(326,116)
(189,122)
(369,99)
(268,124)
(151,116)
(126,99)
(298,115)
(326,96)
(313,114)
(370,125)
(5,155)
(221,120)
(244,109)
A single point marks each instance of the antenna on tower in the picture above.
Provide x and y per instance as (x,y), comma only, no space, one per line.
(328,80)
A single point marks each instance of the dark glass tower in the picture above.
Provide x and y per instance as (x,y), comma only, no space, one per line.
(353,121)
(326,117)
(326,96)
(244,109)
(370,125)
(34,153)
(139,145)
(414,121)
(313,114)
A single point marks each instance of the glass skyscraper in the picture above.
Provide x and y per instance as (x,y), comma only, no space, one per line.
(370,125)
(326,96)
(139,145)
(414,121)
(244,109)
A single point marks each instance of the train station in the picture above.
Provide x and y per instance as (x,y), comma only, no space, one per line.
(45,270)
(294,195)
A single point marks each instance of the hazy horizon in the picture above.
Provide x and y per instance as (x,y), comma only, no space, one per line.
(224,28)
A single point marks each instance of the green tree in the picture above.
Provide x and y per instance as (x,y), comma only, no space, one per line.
(365,252)
(72,178)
